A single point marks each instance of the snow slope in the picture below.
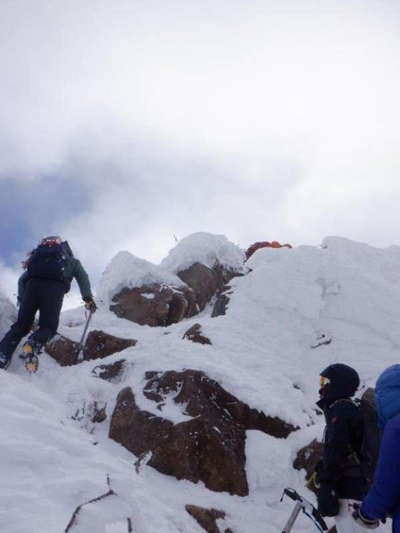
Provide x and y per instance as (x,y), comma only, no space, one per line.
(262,353)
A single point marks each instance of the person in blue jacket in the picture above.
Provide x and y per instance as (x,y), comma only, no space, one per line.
(383,498)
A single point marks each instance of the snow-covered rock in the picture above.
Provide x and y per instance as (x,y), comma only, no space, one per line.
(206,249)
(127,271)
(144,293)
(208,445)
(206,263)
(193,273)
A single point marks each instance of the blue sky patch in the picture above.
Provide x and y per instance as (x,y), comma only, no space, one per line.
(32,209)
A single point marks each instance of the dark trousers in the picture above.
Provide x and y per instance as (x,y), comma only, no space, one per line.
(45,296)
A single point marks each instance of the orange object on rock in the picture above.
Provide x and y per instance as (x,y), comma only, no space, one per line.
(264,244)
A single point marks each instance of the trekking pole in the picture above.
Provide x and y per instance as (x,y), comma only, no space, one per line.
(79,353)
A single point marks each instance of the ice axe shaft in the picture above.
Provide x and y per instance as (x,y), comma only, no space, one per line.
(79,353)
(308,509)
(292,518)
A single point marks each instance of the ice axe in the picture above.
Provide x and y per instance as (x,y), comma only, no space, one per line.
(79,353)
(308,509)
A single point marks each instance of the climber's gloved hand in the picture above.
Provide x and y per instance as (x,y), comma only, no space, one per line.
(90,305)
(362,520)
(328,501)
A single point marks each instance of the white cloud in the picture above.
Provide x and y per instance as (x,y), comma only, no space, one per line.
(8,282)
(257,120)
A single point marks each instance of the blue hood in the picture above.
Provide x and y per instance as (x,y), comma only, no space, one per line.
(388,394)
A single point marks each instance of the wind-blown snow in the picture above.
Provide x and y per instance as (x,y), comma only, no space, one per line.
(344,293)
(128,271)
(207,249)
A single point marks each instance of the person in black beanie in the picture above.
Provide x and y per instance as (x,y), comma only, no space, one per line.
(339,478)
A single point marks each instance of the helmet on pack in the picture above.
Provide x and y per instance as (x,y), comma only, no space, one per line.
(339,380)
(51,240)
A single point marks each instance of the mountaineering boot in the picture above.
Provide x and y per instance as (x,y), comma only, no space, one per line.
(5,361)
(31,349)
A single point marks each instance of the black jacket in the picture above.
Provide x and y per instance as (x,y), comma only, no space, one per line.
(73,270)
(342,444)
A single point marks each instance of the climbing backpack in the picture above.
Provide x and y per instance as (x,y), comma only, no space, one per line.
(371,440)
(48,262)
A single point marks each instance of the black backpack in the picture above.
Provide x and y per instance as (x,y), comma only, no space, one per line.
(48,262)
(372,437)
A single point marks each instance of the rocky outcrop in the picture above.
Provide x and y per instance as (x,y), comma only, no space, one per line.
(98,345)
(209,447)
(194,334)
(207,518)
(163,305)
(154,305)
(195,271)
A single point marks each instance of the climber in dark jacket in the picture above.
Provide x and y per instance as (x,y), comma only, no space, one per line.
(339,478)
(50,269)
(383,499)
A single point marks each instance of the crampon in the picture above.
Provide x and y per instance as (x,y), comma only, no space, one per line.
(31,363)
(30,358)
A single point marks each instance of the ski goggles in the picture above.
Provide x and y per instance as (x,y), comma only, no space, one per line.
(323,381)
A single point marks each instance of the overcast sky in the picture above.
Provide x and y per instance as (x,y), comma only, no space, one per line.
(124,123)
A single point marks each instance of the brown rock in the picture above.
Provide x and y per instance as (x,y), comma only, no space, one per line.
(308,457)
(207,518)
(206,282)
(153,305)
(162,305)
(112,372)
(203,280)
(195,390)
(98,345)
(369,396)
(63,350)
(210,447)
(178,307)
(194,334)
(189,450)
